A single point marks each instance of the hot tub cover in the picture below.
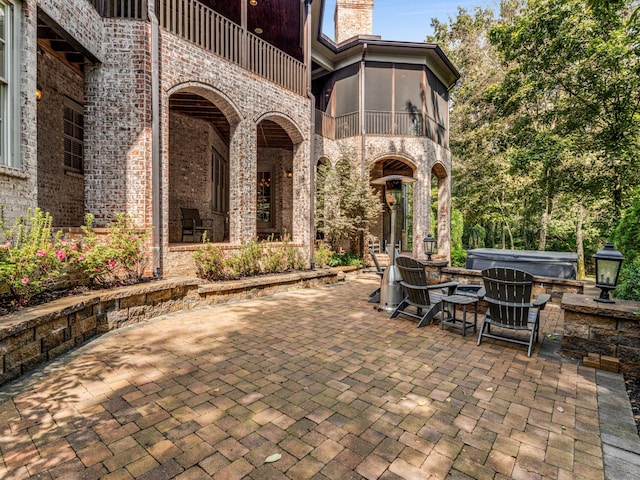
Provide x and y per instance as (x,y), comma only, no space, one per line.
(542,264)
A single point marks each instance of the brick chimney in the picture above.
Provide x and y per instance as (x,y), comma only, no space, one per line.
(352,18)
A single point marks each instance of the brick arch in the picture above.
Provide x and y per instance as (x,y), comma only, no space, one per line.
(440,170)
(288,125)
(406,159)
(215,96)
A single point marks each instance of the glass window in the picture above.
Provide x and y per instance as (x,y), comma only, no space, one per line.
(265,215)
(73,136)
(218,182)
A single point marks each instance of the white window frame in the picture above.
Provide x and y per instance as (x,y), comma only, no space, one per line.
(10,87)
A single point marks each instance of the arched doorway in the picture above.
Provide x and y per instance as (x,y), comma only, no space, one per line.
(277,152)
(380,231)
(201,123)
(440,214)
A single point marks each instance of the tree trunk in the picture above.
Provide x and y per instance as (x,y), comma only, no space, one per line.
(544,223)
(579,244)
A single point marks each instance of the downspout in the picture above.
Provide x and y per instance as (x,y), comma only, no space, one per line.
(312,164)
(155,141)
(363,133)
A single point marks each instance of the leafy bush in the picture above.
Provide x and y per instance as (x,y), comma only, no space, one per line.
(629,286)
(345,259)
(627,234)
(322,256)
(458,257)
(117,258)
(253,258)
(32,256)
(212,263)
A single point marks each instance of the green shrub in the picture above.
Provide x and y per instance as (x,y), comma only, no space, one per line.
(629,286)
(458,257)
(246,262)
(118,257)
(31,255)
(322,256)
(627,234)
(212,263)
(345,259)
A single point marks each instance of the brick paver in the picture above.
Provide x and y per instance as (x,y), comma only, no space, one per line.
(336,388)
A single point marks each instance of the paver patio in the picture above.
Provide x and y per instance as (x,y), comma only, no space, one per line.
(318,376)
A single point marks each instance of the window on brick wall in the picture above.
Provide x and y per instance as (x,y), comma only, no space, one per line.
(218,182)
(73,136)
(9,84)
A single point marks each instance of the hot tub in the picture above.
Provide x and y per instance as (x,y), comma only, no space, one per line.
(542,264)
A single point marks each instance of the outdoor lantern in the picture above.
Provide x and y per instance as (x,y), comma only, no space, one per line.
(429,246)
(608,262)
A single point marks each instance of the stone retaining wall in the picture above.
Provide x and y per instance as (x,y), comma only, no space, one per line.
(609,329)
(37,335)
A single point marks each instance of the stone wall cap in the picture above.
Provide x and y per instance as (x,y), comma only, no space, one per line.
(623,309)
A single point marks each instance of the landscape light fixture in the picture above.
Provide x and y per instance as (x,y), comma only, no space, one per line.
(608,263)
(429,246)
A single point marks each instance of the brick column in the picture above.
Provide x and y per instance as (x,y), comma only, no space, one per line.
(242,182)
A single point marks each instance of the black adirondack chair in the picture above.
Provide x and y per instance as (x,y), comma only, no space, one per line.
(374,297)
(425,298)
(508,293)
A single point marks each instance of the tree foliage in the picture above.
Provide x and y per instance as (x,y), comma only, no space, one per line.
(346,203)
(545,120)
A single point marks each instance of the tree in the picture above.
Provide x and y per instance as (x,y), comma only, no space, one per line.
(588,60)
(346,203)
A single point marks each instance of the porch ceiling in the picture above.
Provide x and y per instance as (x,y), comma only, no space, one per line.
(279,20)
(270,134)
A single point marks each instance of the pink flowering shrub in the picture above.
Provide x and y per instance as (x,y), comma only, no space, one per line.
(117,258)
(31,257)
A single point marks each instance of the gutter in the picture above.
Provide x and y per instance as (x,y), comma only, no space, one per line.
(156,250)
(312,163)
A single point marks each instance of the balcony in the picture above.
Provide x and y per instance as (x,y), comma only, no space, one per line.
(202,26)
(397,124)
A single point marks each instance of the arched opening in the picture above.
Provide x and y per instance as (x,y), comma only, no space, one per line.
(277,141)
(439,211)
(199,134)
(380,231)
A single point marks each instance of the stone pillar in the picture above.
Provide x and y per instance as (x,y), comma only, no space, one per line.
(352,18)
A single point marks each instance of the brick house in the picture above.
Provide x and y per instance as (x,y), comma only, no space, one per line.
(147,107)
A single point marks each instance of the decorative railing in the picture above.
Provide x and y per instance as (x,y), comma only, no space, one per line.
(381,123)
(202,26)
(199,24)
(135,9)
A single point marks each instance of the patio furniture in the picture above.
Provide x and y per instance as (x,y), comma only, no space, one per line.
(374,297)
(508,293)
(418,293)
(193,225)
(464,300)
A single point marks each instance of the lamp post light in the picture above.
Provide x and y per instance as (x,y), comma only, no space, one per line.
(608,263)
(429,246)
(390,290)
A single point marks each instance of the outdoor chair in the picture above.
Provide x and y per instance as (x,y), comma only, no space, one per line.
(193,225)
(508,293)
(418,293)
(374,297)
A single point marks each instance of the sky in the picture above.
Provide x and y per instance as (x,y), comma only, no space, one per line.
(408,20)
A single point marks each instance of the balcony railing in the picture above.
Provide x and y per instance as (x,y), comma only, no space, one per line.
(381,123)
(200,25)
(136,9)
